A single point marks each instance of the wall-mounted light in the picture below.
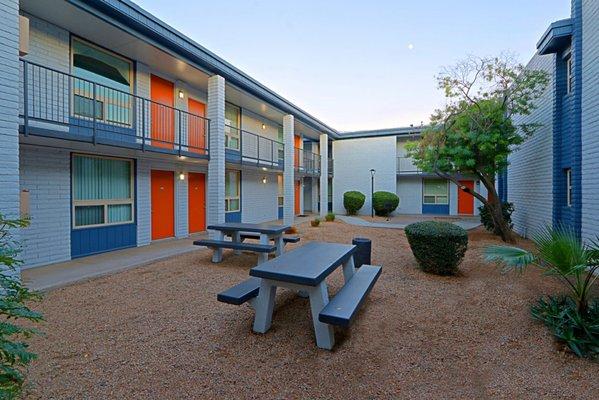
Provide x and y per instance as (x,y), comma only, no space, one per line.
(264,169)
(181,94)
(181,176)
(263,127)
(264,179)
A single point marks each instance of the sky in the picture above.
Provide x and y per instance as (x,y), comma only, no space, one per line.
(359,65)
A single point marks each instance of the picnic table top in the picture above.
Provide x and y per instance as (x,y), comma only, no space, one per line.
(306,265)
(260,228)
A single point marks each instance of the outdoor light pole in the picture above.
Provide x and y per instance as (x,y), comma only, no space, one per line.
(372,172)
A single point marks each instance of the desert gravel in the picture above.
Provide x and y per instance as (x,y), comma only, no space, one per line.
(157,332)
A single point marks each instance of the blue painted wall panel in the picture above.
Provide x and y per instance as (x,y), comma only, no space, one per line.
(435,209)
(233,216)
(88,241)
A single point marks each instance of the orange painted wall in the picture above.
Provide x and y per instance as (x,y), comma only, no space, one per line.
(465,200)
(163,204)
(163,118)
(298,187)
(197,202)
(197,126)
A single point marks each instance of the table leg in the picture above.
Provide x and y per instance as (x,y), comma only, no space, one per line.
(348,269)
(236,238)
(264,305)
(280,245)
(217,253)
(319,298)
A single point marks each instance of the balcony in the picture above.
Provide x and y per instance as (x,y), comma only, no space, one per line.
(406,166)
(247,148)
(59,105)
(306,163)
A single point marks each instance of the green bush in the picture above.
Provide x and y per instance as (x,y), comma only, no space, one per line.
(330,217)
(14,302)
(384,203)
(439,247)
(578,331)
(315,222)
(353,201)
(487,220)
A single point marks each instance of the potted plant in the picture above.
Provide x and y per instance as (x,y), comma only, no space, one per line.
(315,222)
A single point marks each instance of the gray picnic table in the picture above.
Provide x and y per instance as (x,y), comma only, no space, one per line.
(238,232)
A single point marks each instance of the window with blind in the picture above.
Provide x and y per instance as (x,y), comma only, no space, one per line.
(232,124)
(232,198)
(102,191)
(435,191)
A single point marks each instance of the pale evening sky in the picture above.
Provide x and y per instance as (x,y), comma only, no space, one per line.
(359,65)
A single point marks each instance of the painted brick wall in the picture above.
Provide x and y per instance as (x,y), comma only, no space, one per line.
(353,160)
(409,190)
(530,174)
(9,95)
(258,200)
(48,44)
(45,173)
(590,119)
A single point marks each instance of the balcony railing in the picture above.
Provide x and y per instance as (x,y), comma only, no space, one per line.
(306,162)
(57,104)
(405,165)
(330,166)
(251,149)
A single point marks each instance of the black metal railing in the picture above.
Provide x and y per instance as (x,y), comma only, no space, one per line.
(306,162)
(252,149)
(58,104)
(405,165)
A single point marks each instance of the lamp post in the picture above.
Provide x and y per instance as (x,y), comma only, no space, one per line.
(372,172)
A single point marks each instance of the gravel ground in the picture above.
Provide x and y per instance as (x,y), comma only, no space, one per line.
(157,332)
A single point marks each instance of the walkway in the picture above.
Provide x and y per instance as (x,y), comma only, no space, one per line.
(56,275)
(400,222)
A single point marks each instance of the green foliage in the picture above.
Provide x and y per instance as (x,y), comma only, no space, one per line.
(14,353)
(487,219)
(384,203)
(580,332)
(315,222)
(558,253)
(330,217)
(353,201)
(439,247)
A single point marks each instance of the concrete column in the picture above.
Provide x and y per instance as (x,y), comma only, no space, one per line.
(215,209)
(9,122)
(289,170)
(324,174)
(314,192)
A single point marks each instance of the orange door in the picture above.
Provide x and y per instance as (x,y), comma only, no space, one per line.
(298,186)
(196,126)
(297,144)
(163,116)
(163,204)
(465,200)
(196,205)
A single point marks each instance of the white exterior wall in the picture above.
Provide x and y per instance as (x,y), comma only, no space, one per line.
(258,200)
(49,45)
(409,191)
(530,174)
(352,163)
(590,119)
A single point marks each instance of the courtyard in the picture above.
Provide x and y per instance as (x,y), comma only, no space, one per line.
(157,332)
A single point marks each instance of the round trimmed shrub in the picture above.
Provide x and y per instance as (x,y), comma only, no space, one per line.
(439,247)
(487,220)
(384,203)
(330,217)
(353,201)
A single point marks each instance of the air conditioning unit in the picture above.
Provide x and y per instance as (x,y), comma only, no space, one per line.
(23,35)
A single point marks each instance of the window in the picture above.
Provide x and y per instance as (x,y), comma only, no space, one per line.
(109,100)
(280,196)
(232,179)
(280,146)
(102,191)
(232,124)
(568,172)
(569,75)
(435,191)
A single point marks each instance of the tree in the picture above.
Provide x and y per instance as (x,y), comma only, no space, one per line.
(474,133)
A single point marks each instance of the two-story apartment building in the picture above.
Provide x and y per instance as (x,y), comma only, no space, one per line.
(551,178)
(118,131)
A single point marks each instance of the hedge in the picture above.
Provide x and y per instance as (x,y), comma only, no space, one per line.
(384,203)
(353,201)
(439,247)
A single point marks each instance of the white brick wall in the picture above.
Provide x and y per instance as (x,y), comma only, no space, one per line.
(530,174)
(353,160)
(324,175)
(215,209)
(45,173)
(590,119)
(409,190)
(48,44)
(258,200)
(289,172)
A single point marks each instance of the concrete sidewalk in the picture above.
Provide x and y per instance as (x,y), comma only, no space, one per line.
(61,274)
(465,222)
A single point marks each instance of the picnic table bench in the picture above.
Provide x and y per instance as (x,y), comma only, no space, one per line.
(241,231)
(305,269)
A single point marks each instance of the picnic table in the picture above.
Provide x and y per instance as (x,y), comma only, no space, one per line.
(238,232)
(305,269)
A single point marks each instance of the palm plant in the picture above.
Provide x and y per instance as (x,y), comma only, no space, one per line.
(558,253)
